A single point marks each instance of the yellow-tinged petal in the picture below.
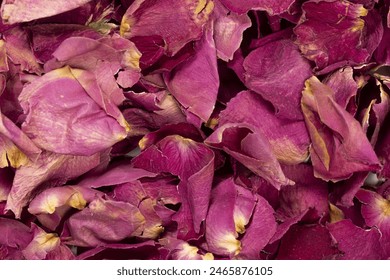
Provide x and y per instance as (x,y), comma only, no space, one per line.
(240,222)
(230,243)
(335,214)
(77,201)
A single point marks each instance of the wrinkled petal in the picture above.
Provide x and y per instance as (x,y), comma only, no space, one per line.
(340,147)
(41,244)
(191,161)
(177,22)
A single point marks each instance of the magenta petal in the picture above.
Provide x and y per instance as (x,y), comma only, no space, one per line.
(91,129)
(318,33)
(355,242)
(270,6)
(228,31)
(114,176)
(41,244)
(340,146)
(48,170)
(14,11)
(14,234)
(221,232)
(191,161)
(198,74)
(250,148)
(265,74)
(16,147)
(177,22)
(289,139)
(105,221)
(343,85)
(260,230)
(307,243)
(376,213)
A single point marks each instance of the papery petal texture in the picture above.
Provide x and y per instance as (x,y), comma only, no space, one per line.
(66,120)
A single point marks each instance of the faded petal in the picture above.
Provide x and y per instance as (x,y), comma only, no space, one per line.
(67,121)
(355,242)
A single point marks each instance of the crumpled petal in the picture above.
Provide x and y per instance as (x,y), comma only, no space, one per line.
(197,75)
(318,34)
(181,250)
(105,221)
(340,147)
(77,125)
(270,6)
(289,139)
(355,242)
(192,162)
(376,213)
(177,22)
(259,231)
(48,170)
(251,148)
(15,11)
(265,73)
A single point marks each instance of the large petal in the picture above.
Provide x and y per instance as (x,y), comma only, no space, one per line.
(340,147)
(355,242)
(48,170)
(265,73)
(195,82)
(62,118)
